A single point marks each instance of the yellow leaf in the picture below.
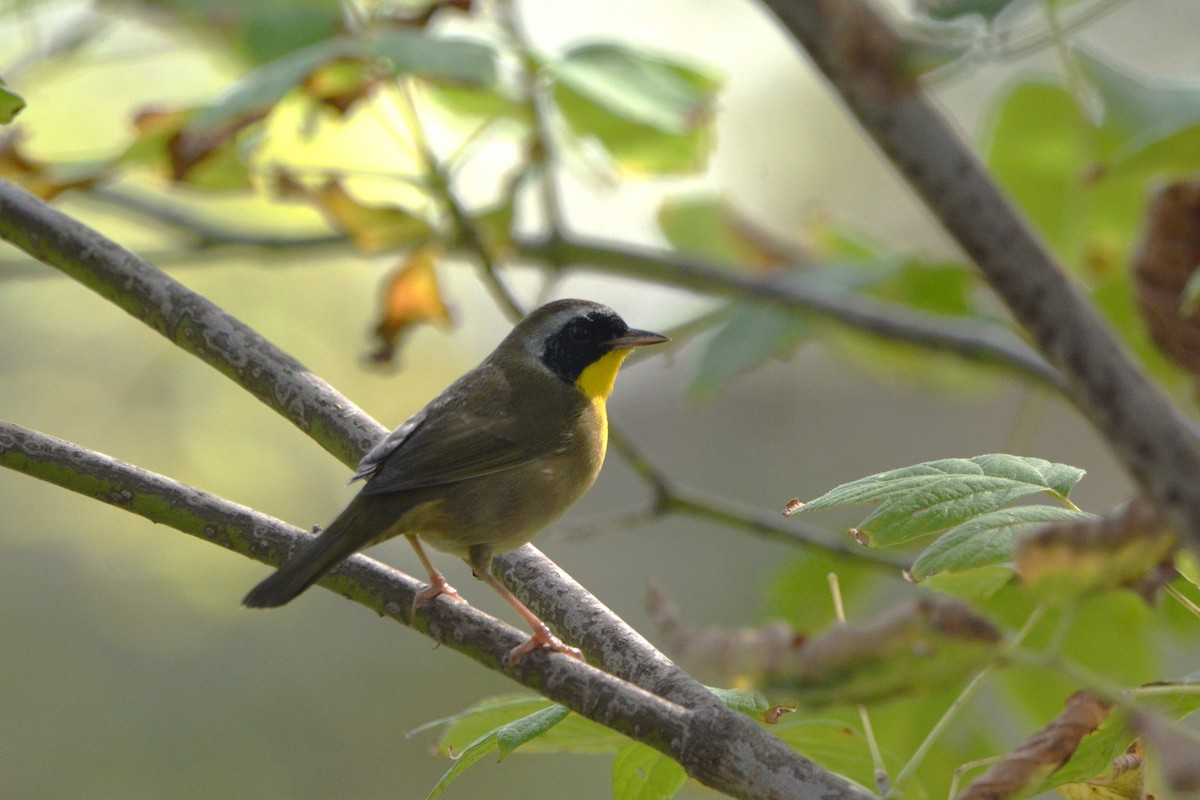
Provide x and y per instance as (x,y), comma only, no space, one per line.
(411,296)
(1125,782)
(373,229)
(1129,548)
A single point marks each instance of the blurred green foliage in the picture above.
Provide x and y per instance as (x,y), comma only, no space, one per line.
(415,132)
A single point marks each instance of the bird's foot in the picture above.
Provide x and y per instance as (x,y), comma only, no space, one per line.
(437,586)
(542,637)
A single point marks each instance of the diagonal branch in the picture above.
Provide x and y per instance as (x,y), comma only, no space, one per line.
(864,61)
(717,746)
(189,320)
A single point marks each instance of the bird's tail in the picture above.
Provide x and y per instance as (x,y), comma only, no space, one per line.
(317,557)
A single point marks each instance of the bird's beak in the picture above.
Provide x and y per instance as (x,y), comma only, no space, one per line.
(635,338)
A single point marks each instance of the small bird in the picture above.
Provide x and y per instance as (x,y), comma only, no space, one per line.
(489,463)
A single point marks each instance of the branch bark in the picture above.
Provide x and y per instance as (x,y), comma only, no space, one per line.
(673,713)
(719,747)
(863,59)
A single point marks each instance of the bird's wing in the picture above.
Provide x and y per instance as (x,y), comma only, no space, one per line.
(468,431)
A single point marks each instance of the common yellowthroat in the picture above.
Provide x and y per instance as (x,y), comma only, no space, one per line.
(489,463)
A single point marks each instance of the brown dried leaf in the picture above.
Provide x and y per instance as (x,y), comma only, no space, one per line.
(204,157)
(373,229)
(1126,781)
(419,16)
(1042,753)
(1166,259)
(721,655)
(37,177)
(411,296)
(914,647)
(1131,548)
(342,82)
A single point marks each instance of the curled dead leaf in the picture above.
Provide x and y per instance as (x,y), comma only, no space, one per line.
(36,177)
(1042,753)
(722,655)
(411,296)
(913,647)
(1131,547)
(775,713)
(1166,260)
(372,228)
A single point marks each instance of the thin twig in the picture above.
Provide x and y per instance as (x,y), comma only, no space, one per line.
(882,781)
(671,498)
(970,340)
(208,235)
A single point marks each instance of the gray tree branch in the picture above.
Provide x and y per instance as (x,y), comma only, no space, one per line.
(717,746)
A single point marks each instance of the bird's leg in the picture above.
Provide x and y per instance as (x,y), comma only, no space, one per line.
(437,581)
(481,562)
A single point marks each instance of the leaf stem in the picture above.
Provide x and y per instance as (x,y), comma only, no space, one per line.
(881,774)
(1183,600)
(964,696)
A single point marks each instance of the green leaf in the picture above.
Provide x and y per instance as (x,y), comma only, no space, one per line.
(633,148)
(573,734)
(406,52)
(1189,568)
(986,539)
(972,584)
(639,87)
(751,335)
(834,745)
(673,140)
(938,495)
(934,287)
(460,61)
(11,104)
(517,733)
(472,753)
(641,773)
(745,701)
(790,590)
(504,739)
(483,718)
(952,9)
(261,31)
(473,102)
(709,225)
(1039,150)
(1139,109)
(1096,752)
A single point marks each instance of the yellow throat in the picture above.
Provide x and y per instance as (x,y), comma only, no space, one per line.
(596,383)
(596,380)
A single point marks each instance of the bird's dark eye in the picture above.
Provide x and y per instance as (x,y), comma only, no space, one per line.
(579,333)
